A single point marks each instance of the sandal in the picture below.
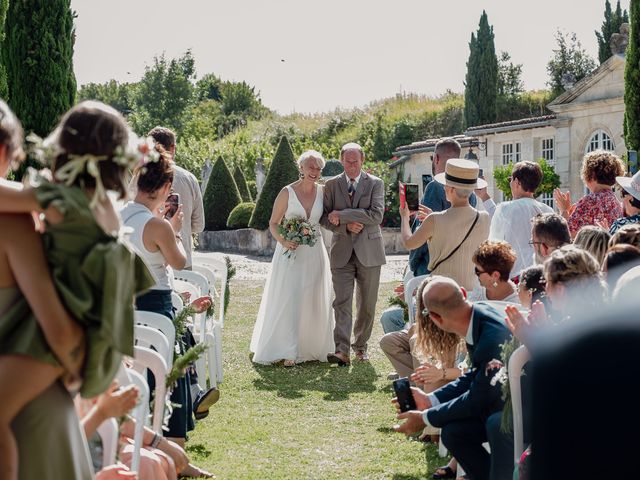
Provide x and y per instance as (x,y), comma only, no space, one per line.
(289,363)
(444,472)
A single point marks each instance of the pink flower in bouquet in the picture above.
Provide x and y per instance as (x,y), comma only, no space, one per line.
(202,304)
(305,231)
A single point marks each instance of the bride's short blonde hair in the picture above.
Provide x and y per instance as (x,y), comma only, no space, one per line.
(311,154)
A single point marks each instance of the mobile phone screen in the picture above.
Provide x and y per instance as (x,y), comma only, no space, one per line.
(172,203)
(403,194)
(402,387)
(412,195)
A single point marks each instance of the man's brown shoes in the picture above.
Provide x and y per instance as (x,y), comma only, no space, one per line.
(340,358)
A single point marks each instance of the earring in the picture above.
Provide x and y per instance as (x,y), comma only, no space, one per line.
(495,284)
(301,175)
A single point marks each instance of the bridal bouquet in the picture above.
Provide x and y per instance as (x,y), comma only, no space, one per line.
(297,230)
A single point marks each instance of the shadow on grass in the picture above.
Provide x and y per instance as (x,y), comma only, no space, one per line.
(337,383)
(401,476)
(198,450)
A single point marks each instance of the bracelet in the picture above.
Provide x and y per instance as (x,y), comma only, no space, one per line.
(444,373)
(156,441)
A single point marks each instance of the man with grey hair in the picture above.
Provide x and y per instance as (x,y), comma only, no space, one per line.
(462,407)
(353,211)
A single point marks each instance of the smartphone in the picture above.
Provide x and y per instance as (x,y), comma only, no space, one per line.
(403,195)
(412,196)
(481,173)
(171,205)
(402,388)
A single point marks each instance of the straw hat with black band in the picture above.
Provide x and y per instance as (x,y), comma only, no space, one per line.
(461,173)
(631,185)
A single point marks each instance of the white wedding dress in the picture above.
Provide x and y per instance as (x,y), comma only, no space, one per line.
(295,320)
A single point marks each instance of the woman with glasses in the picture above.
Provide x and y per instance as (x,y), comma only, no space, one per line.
(493,263)
(630,191)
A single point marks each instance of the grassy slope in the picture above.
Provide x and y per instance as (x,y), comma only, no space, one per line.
(313,421)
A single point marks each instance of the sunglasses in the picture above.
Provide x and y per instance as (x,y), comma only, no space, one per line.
(478,272)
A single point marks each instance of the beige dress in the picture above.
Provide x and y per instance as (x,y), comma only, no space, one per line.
(450,227)
(51,443)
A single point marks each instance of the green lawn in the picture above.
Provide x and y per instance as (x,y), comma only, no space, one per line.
(312,421)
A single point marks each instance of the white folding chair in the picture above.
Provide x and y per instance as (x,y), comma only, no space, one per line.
(145,358)
(108,431)
(159,322)
(516,363)
(410,288)
(176,301)
(149,337)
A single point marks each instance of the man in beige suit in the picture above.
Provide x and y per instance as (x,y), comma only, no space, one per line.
(353,211)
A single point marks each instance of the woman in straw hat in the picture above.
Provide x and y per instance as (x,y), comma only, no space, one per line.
(453,234)
(630,190)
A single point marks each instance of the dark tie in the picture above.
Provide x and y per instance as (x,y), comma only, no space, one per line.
(351,189)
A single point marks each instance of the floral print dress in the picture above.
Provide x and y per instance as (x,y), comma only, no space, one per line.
(597,206)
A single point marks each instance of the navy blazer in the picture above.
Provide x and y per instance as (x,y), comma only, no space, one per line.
(471,395)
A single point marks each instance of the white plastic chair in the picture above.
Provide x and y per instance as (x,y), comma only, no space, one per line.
(176,301)
(409,290)
(108,431)
(149,337)
(140,413)
(159,322)
(145,358)
(516,363)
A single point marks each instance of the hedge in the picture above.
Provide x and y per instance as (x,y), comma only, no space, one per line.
(220,197)
(241,182)
(240,216)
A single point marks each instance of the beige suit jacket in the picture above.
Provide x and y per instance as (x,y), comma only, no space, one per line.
(367,208)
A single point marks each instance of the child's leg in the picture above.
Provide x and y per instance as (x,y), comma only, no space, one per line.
(23,378)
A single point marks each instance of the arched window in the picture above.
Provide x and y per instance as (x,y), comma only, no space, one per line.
(600,140)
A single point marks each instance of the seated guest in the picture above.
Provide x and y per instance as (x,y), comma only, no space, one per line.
(511,221)
(629,234)
(453,234)
(494,262)
(599,172)
(594,240)
(617,261)
(461,407)
(630,190)
(532,286)
(549,232)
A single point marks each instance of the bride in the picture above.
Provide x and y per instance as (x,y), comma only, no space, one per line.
(295,320)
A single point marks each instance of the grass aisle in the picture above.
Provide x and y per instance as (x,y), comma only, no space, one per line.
(312,421)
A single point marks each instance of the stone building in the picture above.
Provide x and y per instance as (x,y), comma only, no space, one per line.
(588,116)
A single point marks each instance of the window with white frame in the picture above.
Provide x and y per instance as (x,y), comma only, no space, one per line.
(511,152)
(600,140)
(548,153)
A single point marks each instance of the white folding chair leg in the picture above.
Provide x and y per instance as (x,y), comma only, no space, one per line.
(514,369)
(108,431)
(212,362)
(141,411)
(146,358)
(217,332)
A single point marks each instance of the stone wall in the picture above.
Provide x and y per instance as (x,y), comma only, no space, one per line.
(248,241)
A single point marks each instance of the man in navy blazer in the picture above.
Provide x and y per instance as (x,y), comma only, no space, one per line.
(462,407)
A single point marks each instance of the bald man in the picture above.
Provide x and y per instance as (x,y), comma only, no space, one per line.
(462,407)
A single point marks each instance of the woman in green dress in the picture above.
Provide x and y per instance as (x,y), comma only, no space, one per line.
(94,272)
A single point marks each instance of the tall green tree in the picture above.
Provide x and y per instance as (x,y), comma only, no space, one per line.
(241,182)
(283,171)
(610,25)
(570,63)
(632,81)
(118,95)
(164,93)
(481,83)
(220,196)
(4,5)
(38,56)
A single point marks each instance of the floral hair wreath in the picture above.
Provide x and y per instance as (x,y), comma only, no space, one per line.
(135,153)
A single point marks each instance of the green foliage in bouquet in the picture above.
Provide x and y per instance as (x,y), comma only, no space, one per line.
(220,197)
(550,179)
(240,216)
(507,349)
(231,272)
(283,171)
(241,183)
(396,301)
(181,363)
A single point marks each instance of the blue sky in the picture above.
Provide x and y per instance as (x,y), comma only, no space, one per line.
(337,53)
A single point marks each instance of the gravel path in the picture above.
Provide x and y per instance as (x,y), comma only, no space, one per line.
(256,268)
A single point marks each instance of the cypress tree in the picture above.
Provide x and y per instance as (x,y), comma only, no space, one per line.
(283,171)
(610,25)
(632,81)
(220,197)
(4,4)
(241,182)
(38,56)
(481,83)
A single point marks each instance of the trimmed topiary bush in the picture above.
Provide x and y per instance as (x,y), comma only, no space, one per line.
(220,197)
(240,216)
(241,182)
(253,189)
(283,171)
(332,168)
